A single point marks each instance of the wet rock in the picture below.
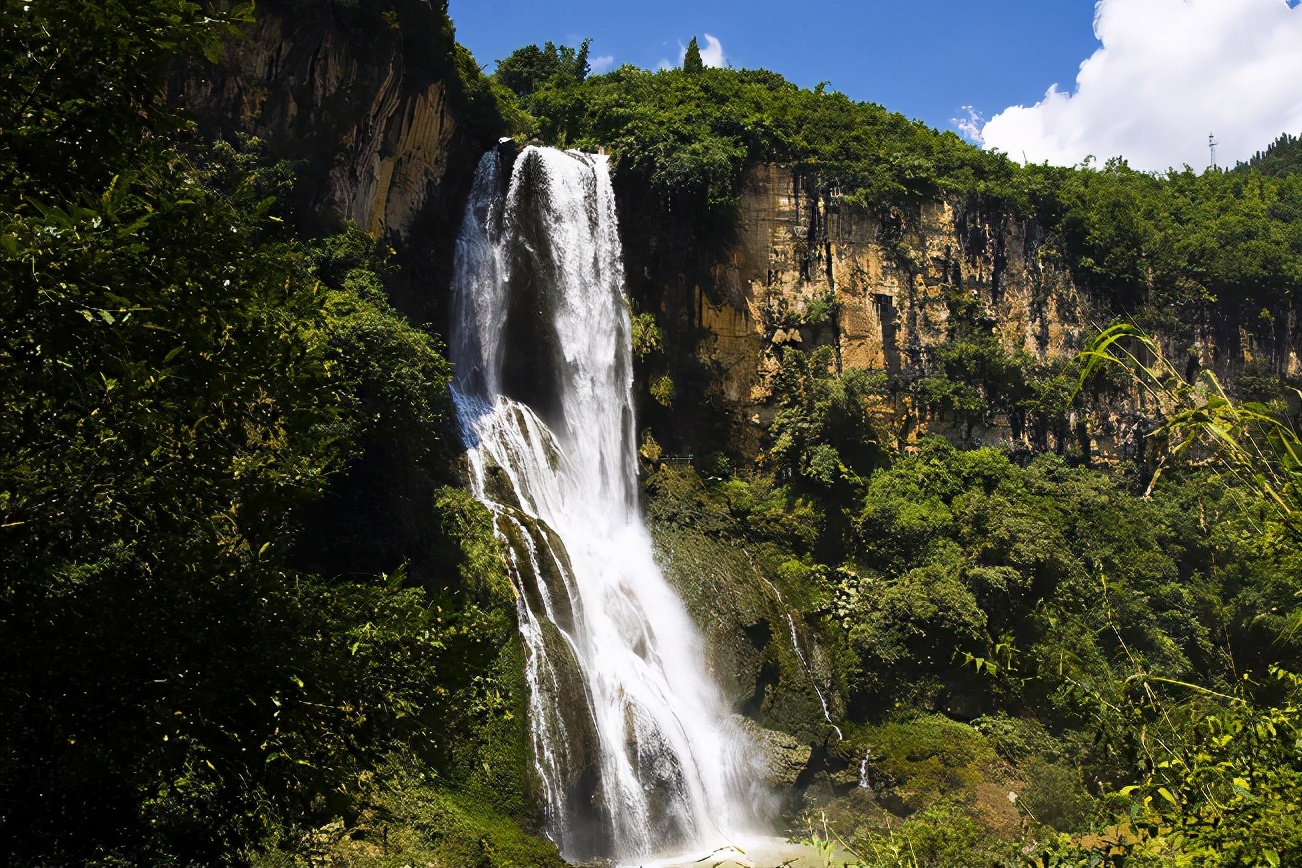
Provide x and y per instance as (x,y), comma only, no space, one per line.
(787,757)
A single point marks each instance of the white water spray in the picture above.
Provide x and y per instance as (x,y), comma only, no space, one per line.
(634,745)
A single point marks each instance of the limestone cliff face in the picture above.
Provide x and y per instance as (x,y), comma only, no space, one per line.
(363,104)
(796,251)
(377,134)
(802,270)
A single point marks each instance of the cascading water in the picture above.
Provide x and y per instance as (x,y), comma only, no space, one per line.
(634,745)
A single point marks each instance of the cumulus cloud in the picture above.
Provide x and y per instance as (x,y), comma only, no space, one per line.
(1168,73)
(970,126)
(711,52)
(601,64)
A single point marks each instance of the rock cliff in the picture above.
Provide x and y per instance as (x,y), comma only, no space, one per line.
(368,104)
(879,284)
(801,269)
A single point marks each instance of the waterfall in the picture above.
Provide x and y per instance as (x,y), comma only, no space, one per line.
(635,748)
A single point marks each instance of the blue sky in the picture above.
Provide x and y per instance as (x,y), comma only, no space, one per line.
(924,59)
(1163,75)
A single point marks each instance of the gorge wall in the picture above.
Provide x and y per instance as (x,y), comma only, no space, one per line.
(802,271)
(888,280)
(799,269)
(367,100)
(368,105)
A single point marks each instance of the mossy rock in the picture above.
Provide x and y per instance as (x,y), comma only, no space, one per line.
(915,762)
(744,617)
(410,816)
(929,782)
(496,766)
(786,763)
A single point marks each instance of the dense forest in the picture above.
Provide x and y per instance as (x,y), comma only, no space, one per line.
(183,379)
(1028,659)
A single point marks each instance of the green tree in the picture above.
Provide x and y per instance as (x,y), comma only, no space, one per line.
(1283,157)
(527,69)
(692,62)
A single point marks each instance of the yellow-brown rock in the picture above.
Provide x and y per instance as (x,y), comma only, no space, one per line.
(888,278)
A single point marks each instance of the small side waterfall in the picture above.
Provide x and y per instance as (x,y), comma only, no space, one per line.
(634,745)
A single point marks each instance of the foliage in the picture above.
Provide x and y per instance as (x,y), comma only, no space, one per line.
(528,69)
(487,105)
(79,88)
(662,390)
(755,508)
(1282,157)
(647,338)
(1216,767)
(692,62)
(965,559)
(1255,443)
(821,430)
(1160,626)
(924,758)
(181,380)
(411,820)
(778,313)
(1161,246)
(1219,776)
(939,835)
(1055,795)
(689,134)
(942,834)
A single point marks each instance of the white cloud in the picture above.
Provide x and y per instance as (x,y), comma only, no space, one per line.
(970,126)
(601,64)
(1168,73)
(712,52)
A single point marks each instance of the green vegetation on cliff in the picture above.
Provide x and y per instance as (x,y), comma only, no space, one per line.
(1077,645)
(1120,664)
(1283,157)
(691,135)
(1162,249)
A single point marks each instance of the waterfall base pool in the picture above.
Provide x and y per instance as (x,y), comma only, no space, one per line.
(749,853)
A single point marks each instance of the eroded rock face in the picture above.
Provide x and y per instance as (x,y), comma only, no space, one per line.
(786,756)
(327,86)
(364,107)
(763,652)
(803,270)
(796,253)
